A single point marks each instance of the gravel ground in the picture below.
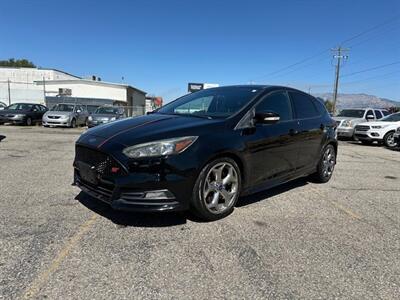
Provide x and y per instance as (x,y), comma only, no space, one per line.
(300,240)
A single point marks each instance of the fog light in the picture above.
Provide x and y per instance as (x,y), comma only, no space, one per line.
(375,134)
(159,195)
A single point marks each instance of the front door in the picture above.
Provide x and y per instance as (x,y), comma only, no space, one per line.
(273,148)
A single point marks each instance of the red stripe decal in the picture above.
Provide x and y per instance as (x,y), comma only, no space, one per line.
(133,127)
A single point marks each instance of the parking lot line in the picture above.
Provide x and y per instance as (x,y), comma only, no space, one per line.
(344,209)
(44,276)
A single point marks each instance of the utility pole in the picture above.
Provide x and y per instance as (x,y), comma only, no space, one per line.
(9,93)
(339,55)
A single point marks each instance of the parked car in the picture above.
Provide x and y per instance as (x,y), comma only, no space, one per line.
(2,105)
(105,114)
(66,115)
(348,118)
(381,131)
(205,149)
(396,137)
(22,113)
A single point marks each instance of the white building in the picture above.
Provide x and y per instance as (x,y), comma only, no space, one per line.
(18,84)
(42,86)
(91,89)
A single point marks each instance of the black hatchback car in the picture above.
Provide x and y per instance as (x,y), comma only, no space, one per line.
(22,113)
(203,150)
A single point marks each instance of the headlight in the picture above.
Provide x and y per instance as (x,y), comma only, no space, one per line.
(90,118)
(160,148)
(379,126)
(346,123)
(64,117)
(112,119)
(18,116)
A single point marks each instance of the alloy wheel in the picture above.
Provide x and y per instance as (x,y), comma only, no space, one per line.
(220,187)
(328,162)
(390,140)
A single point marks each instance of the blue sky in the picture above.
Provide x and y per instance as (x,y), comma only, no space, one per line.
(160,46)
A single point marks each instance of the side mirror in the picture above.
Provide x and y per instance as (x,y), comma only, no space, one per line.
(267,117)
(370,117)
(78,111)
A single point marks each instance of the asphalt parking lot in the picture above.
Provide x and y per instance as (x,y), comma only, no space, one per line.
(301,240)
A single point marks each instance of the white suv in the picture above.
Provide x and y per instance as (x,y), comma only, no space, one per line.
(380,131)
(348,118)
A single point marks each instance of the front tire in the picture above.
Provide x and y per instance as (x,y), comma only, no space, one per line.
(28,121)
(388,140)
(326,165)
(73,123)
(217,189)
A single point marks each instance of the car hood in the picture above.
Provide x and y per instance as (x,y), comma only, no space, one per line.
(95,116)
(58,113)
(348,118)
(146,128)
(13,112)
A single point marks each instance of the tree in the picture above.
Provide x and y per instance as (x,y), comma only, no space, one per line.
(329,105)
(12,62)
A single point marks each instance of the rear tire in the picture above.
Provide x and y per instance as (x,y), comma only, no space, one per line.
(388,140)
(326,165)
(217,190)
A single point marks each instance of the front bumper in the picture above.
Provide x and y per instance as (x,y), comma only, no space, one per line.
(370,135)
(13,120)
(130,189)
(56,122)
(94,123)
(347,132)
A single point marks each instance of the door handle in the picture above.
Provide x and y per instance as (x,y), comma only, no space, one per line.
(293,132)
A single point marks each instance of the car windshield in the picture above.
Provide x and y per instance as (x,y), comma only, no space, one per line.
(218,102)
(63,107)
(20,106)
(108,110)
(352,113)
(391,118)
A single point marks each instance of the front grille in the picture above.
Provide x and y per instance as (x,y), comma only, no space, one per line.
(104,164)
(53,117)
(362,128)
(101,192)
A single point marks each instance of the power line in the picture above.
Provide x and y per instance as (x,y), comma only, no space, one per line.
(327,50)
(370,29)
(371,69)
(293,65)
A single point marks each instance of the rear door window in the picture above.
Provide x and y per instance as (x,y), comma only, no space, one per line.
(303,106)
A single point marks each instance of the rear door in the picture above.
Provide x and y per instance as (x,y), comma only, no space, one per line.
(36,113)
(310,129)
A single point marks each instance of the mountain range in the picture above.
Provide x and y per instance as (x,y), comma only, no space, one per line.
(359,101)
